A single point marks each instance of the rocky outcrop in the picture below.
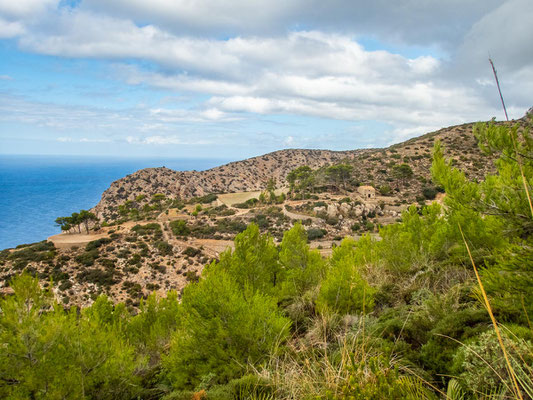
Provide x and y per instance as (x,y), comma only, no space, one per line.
(240,176)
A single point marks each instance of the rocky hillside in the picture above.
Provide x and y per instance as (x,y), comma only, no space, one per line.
(371,166)
(166,246)
(240,176)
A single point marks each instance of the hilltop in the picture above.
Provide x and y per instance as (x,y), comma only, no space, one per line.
(240,176)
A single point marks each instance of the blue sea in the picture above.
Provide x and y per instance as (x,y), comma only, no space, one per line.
(35,190)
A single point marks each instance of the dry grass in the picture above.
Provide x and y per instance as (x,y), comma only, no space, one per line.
(334,356)
(229,199)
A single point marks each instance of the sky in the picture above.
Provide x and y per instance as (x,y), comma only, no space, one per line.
(235,79)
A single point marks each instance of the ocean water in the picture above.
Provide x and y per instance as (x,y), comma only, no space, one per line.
(35,190)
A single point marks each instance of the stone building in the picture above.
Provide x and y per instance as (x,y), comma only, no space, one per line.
(367,192)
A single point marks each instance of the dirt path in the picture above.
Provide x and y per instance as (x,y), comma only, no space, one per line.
(301,217)
(166,235)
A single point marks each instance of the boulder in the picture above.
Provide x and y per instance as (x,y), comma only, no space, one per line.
(345,208)
(369,207)
(332,210)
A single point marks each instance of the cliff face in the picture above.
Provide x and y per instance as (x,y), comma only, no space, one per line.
(247,175)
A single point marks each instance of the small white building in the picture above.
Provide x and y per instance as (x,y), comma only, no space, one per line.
(367,192)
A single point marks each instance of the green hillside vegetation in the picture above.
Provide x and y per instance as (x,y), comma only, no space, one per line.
(399,317)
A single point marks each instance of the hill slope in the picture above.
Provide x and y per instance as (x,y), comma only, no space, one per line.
(371,166)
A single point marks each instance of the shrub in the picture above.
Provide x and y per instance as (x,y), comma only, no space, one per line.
(97,276)
(87,259)
(208,198)
(192,251)
(149,229)
(179,228)
(97,243)
(191,276)
(315,233)
(483,368)
(344,290)
(41,251)
(369,226)
(429,192)
(229,226)
(385,190)
(221,331)
(164,248)
(332,220)
(250,203)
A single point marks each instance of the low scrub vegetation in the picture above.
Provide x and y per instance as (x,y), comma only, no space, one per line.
(399,317)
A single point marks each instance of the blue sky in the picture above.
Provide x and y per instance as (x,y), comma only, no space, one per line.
(218,79)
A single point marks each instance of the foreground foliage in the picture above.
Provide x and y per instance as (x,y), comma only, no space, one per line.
(394,318)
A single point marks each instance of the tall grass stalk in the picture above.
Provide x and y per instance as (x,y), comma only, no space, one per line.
(510,369)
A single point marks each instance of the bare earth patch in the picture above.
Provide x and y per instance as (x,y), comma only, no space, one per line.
(70,240)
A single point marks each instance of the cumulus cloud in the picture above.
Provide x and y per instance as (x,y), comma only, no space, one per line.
(304,58)
(409,21)
(10,29)
(504,34)
(26,8)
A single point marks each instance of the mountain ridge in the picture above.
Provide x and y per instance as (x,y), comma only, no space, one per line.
(252,174)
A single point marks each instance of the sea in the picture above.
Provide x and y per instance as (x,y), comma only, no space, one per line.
(35,190)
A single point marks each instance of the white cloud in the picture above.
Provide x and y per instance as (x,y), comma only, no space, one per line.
(181,115)
(266,64)
(289,141)
(26,8)
(411,21)
(66,139)
(10,29)
(165,140)
(504,34)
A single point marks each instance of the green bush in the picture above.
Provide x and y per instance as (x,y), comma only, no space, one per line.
(179,228)
(429,192)
(385,190)
(95,244)
(148,229)
(191,251)
(66,348)
(97,276)
(164,248)
(221,330)
(315,233)
(88,258)
(344,290)
(230,226)
(41,251)
(483,368)
(250,203)
(208,198)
